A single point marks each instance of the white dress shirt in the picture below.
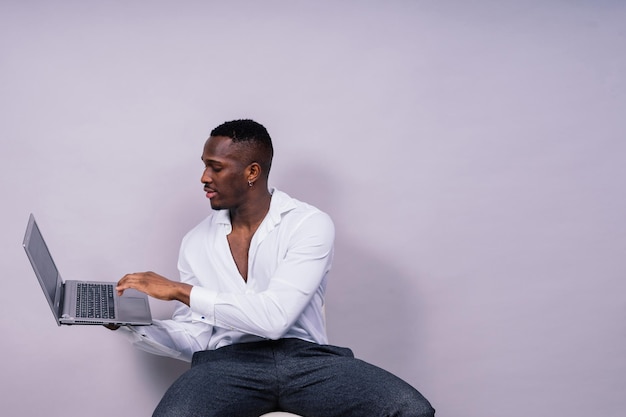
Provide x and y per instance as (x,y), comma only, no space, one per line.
(288,261)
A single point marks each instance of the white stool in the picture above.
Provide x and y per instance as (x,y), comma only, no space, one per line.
(279,414)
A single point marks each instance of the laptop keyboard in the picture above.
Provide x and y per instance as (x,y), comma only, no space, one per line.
(95,301)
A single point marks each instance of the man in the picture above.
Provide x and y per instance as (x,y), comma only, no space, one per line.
(251,292)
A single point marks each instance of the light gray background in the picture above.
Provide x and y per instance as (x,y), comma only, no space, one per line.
(470,153)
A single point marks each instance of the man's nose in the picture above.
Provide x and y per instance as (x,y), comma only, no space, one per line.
(205,178)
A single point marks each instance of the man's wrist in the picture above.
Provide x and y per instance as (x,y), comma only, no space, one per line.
(184,293)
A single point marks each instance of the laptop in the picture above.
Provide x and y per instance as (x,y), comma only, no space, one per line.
(82,302)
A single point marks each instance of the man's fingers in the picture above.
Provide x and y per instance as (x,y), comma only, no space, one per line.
(125,283)
(155,285)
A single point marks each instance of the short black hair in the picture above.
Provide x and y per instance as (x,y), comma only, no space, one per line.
(255,138)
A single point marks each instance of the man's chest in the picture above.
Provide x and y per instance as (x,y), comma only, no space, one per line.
(218,262)
(239,247)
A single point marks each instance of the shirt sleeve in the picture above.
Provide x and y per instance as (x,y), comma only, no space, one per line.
(177,338)
(271,313)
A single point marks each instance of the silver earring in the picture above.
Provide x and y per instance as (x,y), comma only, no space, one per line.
(250,183)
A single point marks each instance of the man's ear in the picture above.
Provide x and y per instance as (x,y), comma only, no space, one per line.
(254,172)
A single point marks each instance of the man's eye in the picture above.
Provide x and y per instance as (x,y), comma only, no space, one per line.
(213,168)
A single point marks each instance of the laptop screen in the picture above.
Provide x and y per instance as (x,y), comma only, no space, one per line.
(42,262)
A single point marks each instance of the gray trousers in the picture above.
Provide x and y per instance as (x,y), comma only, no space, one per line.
(250,379)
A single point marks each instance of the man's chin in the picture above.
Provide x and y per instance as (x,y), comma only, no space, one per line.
(216,205)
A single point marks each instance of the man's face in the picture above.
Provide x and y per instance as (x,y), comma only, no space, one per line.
(224,177)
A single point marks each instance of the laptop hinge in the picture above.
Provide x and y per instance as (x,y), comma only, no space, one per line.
(62,303)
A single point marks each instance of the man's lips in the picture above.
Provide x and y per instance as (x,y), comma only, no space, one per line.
(210,193)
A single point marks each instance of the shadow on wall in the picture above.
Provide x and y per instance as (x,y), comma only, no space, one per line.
(160,372)
(372,306)
(373,309)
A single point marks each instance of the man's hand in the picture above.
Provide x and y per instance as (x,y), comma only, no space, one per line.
(155,286)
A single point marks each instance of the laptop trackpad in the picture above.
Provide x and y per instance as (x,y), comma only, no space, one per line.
(132,308)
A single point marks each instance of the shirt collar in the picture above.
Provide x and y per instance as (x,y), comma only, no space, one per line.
(280,204)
